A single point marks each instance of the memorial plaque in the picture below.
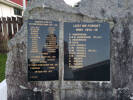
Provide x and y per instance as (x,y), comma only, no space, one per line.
(43,50)
(87,51)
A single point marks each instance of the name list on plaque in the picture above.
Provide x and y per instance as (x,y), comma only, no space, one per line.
(43,50)
(87,51)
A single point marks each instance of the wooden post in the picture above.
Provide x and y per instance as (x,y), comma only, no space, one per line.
(20,22)
(14,25)
(5,28)
(0,26)
(3,38)
(9,27)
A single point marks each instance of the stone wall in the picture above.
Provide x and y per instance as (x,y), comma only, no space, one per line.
(120,87)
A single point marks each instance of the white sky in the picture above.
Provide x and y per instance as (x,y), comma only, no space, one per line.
(71,2)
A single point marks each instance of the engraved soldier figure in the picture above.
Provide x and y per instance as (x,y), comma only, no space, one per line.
(51,53)
(51,44)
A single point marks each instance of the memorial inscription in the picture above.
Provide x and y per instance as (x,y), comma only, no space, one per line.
(87,51)
(43,50)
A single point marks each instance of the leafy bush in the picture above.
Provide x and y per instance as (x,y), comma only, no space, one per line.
(3,58)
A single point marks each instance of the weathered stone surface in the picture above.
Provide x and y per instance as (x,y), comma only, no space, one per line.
(106,8)
(89,10)
(122,52)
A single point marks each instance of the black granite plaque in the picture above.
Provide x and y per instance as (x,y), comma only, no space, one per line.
(87,51)
(43,50)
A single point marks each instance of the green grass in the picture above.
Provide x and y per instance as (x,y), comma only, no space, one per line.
(3,58)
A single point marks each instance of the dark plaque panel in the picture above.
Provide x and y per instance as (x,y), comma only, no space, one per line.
(87,51)
(43,50)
